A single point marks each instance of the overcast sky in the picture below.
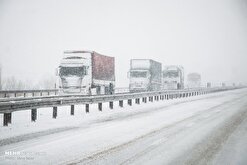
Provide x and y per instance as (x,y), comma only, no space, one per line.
(205,36)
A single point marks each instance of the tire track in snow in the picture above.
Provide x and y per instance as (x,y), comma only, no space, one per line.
(106,152)
(204,152)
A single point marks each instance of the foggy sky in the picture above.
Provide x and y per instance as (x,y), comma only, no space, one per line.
(205,36)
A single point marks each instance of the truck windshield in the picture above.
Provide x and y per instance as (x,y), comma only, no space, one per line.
(138,74)
(71,71)
(170,74)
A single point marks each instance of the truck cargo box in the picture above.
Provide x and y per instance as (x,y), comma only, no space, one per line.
(103,67)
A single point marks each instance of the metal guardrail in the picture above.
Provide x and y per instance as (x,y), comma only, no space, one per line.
(7,106)
(27,93)
(14,104)
(42,92)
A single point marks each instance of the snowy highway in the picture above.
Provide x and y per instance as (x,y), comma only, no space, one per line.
(205,129)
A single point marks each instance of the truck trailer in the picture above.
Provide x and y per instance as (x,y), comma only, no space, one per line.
(86,72)
(194,80)
(144,75)
(173,77)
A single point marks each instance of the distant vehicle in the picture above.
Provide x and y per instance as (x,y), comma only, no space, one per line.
(194,80)
(209,85)
(173,77)
(86,72)
(144,75)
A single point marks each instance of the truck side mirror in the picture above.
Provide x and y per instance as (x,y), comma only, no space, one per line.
(85,70)
(56,71)
(149,75)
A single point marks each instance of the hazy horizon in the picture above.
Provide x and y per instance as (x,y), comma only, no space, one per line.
(204,36)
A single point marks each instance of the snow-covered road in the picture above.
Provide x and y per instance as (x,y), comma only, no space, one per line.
(208,129)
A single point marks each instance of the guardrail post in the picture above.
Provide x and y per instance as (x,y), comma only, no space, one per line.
(130,102)
(41,93)
(151,98)
(100,106)
(15,94)
(48,93)
(111,104)
(33,94)
(34,114)
(72,109)
(121,103)
(157,98)
(87,108)
(9,118)
(54,114)
(6,119)
(137,100)
(24,94)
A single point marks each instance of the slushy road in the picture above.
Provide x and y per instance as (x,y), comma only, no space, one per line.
(208,129)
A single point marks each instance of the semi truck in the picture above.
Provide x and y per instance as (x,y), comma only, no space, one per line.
(194,80)
(173,77)
(144,75)
(86,72)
